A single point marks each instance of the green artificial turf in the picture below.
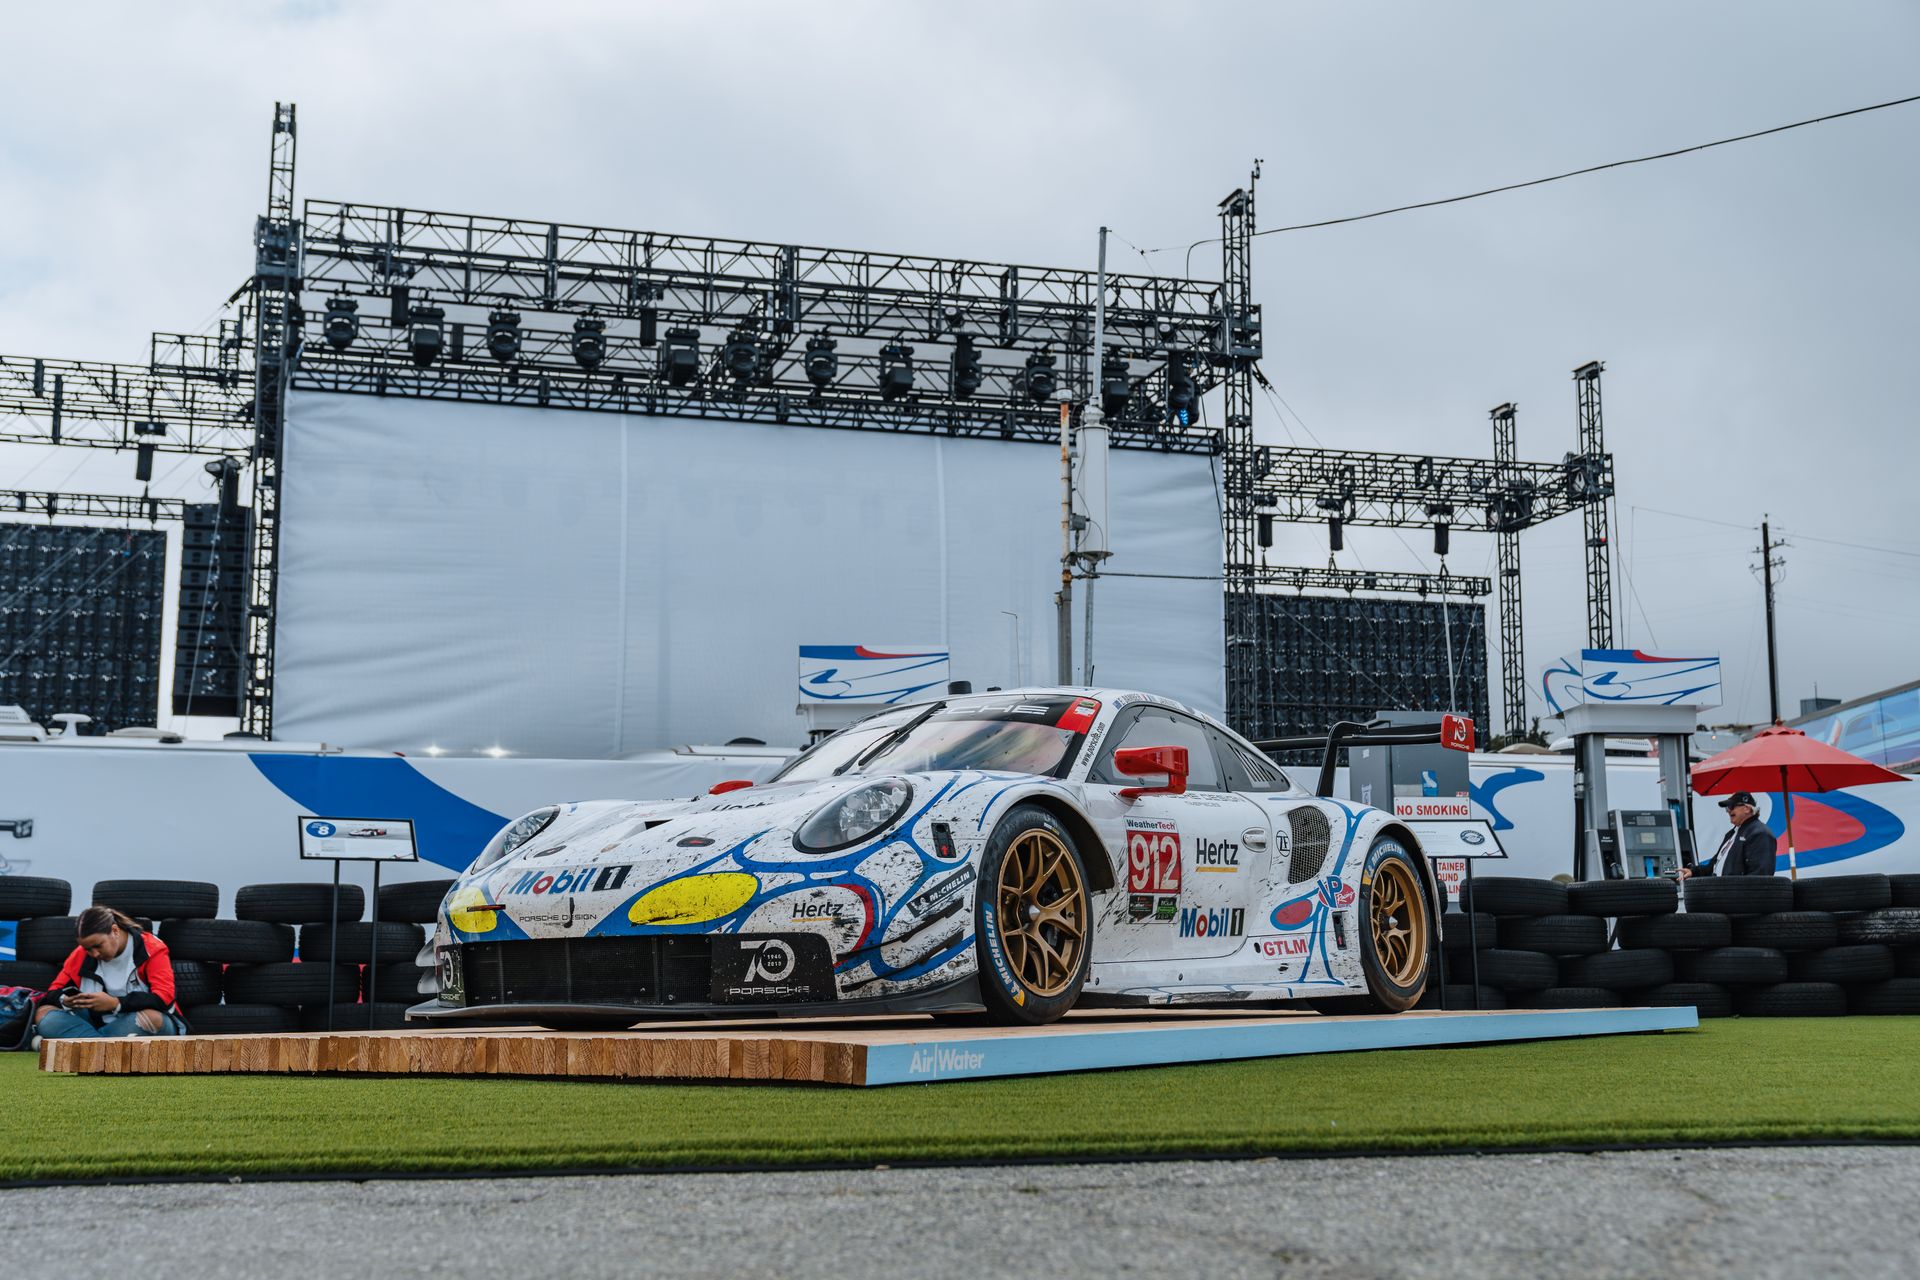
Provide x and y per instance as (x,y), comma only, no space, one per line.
(1748,1079)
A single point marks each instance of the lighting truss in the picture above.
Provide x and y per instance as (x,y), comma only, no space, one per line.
(118,406)
(111,506)
(1307,578)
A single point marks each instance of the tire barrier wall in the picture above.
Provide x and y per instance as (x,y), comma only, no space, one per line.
(266,969)
(1758,946)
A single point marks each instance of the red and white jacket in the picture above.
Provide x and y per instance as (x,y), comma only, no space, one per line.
(151,964)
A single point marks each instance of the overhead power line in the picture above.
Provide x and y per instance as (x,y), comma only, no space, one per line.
(1557,177)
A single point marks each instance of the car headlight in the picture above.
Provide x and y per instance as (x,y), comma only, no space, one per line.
(855,816)
(514,835)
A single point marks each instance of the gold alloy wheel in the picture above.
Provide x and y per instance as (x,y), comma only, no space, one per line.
(1398,915)
(1041,912)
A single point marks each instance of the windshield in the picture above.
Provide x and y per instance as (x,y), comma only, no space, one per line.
(1034,736)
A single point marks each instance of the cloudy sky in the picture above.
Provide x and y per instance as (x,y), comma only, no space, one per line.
(1754,305)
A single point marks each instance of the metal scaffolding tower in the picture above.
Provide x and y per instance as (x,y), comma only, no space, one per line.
(1249,673)
(1510,512)
(1590,476)
(276,284)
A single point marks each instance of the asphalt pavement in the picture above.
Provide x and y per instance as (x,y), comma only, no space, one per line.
(1798,1212)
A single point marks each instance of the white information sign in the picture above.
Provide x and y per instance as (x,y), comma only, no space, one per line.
(1471,838)
(357,839)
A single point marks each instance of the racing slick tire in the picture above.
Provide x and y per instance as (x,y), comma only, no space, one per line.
(1739,895)
(24,897)
(412,901)
(1906,890)
(297,903)
(398,981)
(1792,1000)
(228,941)
(1460,995)
(1623,898)
(1842,893)
(1694,931)
(1033,923)
(160,899)
(1864,962)
(1395,927)
(1514,896)
(1787,931)
(1906,962)
(1709,999)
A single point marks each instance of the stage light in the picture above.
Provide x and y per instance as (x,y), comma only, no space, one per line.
(1336,534)
(896,371)
(342,324)
(740,356)
(226,473)
(1037,377)
(1264,521)
(1183,393)
(967,373)
(503,335)
(425,336)
(822,361)
(680,356)
(1116,388)
(589,342)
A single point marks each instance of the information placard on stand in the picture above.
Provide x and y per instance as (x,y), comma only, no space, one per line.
(339,840)
(1466,842)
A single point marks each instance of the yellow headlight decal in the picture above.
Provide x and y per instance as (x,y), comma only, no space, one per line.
(694,899)
(464,916)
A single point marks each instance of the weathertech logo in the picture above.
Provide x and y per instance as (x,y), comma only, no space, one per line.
(1201,922)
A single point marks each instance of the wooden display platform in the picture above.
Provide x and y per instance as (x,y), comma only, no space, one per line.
(857,1052)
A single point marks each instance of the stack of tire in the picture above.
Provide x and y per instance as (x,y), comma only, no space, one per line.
(266,970)
(1758,946)
(43,931)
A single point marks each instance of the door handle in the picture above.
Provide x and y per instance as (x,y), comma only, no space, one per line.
(1254,838)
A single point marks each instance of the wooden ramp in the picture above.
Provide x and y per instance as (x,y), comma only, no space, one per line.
(857,1052)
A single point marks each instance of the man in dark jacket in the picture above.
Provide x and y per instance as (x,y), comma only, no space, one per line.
(1747,850)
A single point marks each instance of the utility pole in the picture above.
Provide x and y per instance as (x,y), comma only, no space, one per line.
(1063,602)
(1768,563)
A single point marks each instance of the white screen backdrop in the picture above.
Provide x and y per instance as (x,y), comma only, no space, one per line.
(559,583)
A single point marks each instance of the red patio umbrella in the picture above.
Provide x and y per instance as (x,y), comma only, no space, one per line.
(1786,760)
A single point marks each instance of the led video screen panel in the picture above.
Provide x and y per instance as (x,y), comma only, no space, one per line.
(562,583)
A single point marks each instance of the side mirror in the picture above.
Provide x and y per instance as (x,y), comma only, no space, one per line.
(1146,762)
(1456,733)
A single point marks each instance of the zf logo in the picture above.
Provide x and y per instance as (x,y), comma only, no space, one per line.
(1153,861)
(770,959)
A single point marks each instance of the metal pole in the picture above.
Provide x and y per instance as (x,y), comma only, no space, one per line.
(333,943)
(1095,421)
(1773,665)
(1064,600)
(373,949)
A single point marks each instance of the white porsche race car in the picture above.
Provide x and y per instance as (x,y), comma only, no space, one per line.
(1018,853)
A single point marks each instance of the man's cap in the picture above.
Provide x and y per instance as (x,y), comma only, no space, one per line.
(1739,797)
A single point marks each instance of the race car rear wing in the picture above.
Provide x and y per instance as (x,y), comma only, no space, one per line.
(1450,731)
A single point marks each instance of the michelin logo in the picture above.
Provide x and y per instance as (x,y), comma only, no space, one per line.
(942,1059)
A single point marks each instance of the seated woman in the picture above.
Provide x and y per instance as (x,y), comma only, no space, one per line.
(117,982)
